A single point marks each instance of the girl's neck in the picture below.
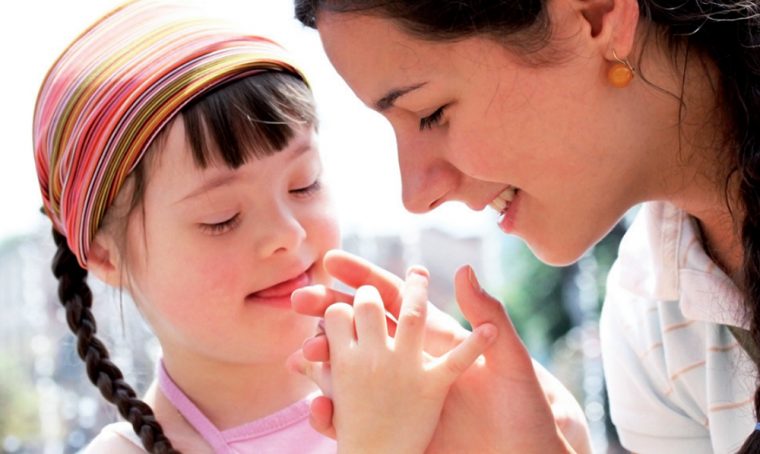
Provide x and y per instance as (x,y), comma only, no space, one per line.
(231,394)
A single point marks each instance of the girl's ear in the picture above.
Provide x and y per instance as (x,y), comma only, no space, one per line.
(105,260)
(610,24)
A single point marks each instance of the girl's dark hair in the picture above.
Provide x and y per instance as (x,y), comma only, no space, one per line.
(725,31)
(250,118)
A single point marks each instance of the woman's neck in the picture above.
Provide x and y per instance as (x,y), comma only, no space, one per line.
(691,161)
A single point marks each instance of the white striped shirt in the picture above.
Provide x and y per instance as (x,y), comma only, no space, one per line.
(678,381)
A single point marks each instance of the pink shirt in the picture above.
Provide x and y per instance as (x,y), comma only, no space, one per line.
(286,431)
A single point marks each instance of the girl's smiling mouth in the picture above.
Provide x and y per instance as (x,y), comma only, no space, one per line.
(279,294)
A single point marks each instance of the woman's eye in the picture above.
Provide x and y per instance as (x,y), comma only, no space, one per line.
(432,120)
(219,228)
(308,190)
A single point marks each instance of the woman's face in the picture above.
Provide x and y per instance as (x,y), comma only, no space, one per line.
(473,121)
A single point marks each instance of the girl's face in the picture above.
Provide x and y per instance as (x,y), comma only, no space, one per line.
(472,120)
(216,252)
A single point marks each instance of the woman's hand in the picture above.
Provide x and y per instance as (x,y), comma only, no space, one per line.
(501,405)
(387,392)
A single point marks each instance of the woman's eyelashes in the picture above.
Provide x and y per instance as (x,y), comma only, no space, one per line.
(218,228)
(434,119)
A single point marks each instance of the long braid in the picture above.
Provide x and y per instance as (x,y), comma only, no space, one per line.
(76,297)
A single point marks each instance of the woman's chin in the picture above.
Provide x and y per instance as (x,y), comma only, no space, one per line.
(562,254)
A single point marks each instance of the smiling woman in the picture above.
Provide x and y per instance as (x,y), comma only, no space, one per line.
(563,115)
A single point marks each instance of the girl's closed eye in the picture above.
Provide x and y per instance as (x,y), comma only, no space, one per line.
(309,190)
(218,228)
(433,119)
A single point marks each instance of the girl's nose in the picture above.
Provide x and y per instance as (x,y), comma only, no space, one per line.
(280,233)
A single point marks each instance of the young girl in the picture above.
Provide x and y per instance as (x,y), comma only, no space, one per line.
(177,161)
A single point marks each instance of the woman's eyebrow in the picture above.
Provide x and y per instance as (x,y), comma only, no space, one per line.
(387,101)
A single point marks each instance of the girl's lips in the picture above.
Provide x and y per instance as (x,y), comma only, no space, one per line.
(285,288)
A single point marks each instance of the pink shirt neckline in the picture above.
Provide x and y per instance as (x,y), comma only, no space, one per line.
(220,440)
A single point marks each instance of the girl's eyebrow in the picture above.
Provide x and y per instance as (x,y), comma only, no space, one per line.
(211,183)
(387,101)
(232,176)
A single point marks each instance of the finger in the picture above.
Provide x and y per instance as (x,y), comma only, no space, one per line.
(479,307)
(339,328)
(458,360)
(319,373)
(355,272)
(411,324)
(316,349)
(369,317)
(315,299)
(321,414)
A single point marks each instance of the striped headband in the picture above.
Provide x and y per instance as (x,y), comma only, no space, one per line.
(114,88)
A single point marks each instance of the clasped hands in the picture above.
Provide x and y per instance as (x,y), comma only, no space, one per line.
(427,384)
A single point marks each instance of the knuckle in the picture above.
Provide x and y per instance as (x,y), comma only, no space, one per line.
(338,310)
(413,317)
(455,368)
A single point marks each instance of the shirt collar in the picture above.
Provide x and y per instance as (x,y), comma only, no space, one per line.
(664,250)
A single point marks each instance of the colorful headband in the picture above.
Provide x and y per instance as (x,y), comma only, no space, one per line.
(114,88)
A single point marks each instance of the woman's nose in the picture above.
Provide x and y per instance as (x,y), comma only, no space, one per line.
(425,181)
(280,232)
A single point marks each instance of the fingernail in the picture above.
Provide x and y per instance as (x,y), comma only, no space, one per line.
(473,280)
(418,270)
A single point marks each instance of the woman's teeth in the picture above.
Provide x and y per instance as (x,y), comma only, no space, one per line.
(502,201)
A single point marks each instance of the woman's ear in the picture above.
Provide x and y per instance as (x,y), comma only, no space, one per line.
(105,260)
(610,24)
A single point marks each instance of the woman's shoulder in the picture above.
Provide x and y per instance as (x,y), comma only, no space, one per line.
(116,438)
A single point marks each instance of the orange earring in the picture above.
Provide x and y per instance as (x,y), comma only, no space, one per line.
(621,73)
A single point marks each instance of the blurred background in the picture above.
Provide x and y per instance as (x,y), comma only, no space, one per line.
(47,404)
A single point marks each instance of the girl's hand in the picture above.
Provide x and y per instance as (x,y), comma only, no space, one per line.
(387,393)
(504,405)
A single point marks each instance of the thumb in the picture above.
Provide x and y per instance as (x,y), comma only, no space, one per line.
(478,307)
(317,372)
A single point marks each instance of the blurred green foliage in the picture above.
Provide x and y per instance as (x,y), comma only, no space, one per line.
(540,298)
(18,401)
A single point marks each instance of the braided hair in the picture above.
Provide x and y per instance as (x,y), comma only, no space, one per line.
(270,107)
(76,298)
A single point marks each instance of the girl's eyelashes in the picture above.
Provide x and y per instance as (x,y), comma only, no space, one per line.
(432,120)
(308,190)
(219,228)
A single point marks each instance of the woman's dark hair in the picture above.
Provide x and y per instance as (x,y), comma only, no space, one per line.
(247,119)
(725,31)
